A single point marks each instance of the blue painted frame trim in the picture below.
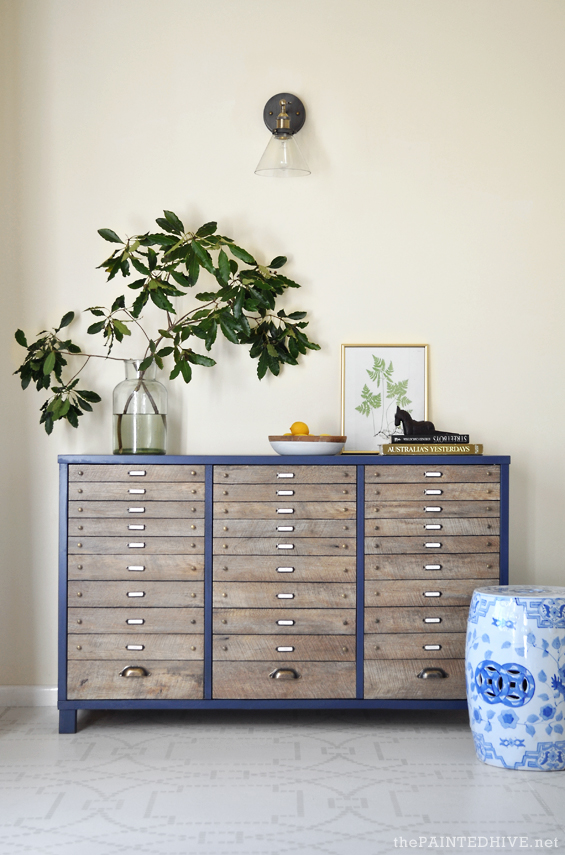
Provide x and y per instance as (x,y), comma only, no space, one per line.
(63,539)
(275,459)
(360,578)
(304,704)
(208,577)
(504,522)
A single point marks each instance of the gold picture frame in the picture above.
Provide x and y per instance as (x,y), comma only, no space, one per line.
(375,378)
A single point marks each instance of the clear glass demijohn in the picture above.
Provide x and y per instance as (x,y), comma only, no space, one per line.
(140,412)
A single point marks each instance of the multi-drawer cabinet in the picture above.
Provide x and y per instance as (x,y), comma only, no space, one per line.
(262,582)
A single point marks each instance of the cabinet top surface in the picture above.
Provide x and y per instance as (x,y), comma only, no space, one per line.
(280,460)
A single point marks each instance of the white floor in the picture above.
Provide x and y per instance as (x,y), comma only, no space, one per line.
(225,783)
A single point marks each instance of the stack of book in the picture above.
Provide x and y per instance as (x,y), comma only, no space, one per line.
(446,443)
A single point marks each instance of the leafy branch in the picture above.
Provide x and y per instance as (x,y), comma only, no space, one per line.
(241,305)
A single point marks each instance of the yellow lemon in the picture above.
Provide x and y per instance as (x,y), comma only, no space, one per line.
(287,434)
(299,429)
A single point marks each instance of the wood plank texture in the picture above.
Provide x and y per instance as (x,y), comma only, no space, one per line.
(121,472)
(121,594)
(443,492)
(267,595)
(253,680)
(153,620)
(448,543)
(125,492)
(155,568)
(151,545)
(90,680)
(266,621)
(399,679)
(276,493)
(421,527)
(333,510)
(279,528)
(454,592)
(278,546)
(449,566)
(413,645)
(421,474)
(311,648)
(132,526)
(451,619)
(430,509)
(301,474)
(136,509)
(114,646)
(258,568)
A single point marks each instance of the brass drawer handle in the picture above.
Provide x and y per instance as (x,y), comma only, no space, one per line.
(284,674)
(434,673)
(134,671)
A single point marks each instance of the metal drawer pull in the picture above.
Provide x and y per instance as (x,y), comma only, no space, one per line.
(136,510)
(426,673)
(433,492)
(285,569)
(285,492)
(432,620)
(432,593)
(136,527)
(285,674)
(136,593)
(134,671)
(432,566)
(432,646)
(135,646)
(285,649)
(433,510)
(285,474)
(432,545)
(137,472)
(433,474)
(135,621)
(133,490)
(285,510)
(136,545)
(428,527)
(285,528)
(285,596)
(285,623)
(285,545)
(136,568)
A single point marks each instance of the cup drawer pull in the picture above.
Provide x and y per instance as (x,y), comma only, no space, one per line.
(137,472)
(136,568)
(432,593)
(136,510)
(135,646)
(433,509)
(134,671)
(285,596)
(136,593)
(285,545)
(285,674)
(135,621)
(433,545)
(285,569)
(435,673)
(285,492)
(433,474)
(285,510)
(136,545)
(285,623)
(285,474)
(285,649)
(432,620)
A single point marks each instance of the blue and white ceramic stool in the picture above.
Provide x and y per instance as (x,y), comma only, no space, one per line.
(515,672)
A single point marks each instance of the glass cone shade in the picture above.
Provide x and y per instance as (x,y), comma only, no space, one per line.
(282,159)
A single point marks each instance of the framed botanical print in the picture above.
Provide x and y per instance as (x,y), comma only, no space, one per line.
(375,380)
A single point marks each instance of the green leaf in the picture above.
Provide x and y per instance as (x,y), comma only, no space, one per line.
(165,351)
(262,365)
(139,303)
(174,221)
(227,324)
(93,397)
(181,280)
(242,254)
(49,363)
(278,261)
(186,371)
(152,258)
(137,284)
(96,328)
(224,267)
(207,229)
(206,295)
(199,359)
(20,338)
(96,312)
(297,316)
(121,327)
(146,363)
(203,257)
(162,302)
(119,303)
(141,268)
(109,235)
(65,320)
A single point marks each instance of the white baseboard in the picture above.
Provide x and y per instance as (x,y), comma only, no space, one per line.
(28,696)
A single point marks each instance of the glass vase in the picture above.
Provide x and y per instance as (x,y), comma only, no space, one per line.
(140,412)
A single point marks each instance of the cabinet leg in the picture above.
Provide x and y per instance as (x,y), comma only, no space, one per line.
(67,721)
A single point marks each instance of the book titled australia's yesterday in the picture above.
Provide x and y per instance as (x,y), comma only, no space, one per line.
(431,448)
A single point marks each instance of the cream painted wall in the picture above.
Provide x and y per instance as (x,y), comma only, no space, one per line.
(435,213)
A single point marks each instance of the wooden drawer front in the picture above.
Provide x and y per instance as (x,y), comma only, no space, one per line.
(138,473)
(135,510)
(284,546)
(284,528)
(136,545)
(285,594)
(135,621)
(165,680)
(417,645)
(430,473)
(470,566)
(107,491)
(402,545)
(137,594)
(432,620)
(299,648)
(399,679)
(154,568)
(271,621)
(284,494)
(136,527)
(283,511)
(423,592)
(431,493)
(431,510)
(253,680)
(255,568)
(282,474)
(125,646)
(431,528)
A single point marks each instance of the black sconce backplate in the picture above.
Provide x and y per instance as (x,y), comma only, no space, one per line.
(294,108)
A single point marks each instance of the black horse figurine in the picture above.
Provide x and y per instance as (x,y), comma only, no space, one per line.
(411,427)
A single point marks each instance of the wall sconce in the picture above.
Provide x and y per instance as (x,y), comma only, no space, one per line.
(284,115)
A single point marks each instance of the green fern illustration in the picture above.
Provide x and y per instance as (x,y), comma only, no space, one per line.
(396,393)
(369,402)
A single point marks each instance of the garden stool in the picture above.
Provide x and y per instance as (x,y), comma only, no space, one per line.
(515,674)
